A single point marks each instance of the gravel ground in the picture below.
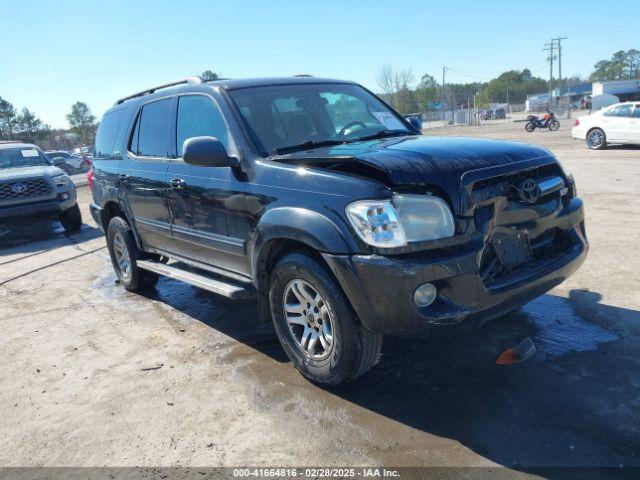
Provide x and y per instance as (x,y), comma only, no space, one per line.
(95,376)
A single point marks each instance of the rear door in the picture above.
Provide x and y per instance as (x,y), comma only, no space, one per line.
(205,201)
(143,177)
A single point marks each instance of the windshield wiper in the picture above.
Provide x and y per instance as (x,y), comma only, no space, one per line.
(381,134)
(308,145)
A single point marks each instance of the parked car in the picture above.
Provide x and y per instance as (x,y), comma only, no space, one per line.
(72,163)
(330,208)
(619,123)
(494,114)
(30,185)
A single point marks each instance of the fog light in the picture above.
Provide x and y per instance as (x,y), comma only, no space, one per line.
(424,295)
(64,196)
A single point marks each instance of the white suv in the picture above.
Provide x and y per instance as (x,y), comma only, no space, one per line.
(619,123)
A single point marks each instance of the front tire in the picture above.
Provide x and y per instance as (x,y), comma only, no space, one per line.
(71,219)
(125,254)
(554,125)
(596,139)
(316,324)
(529,127)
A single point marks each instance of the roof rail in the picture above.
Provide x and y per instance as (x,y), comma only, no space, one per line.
(189,80)
(303,75)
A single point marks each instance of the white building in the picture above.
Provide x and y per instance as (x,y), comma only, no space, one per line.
(623,89)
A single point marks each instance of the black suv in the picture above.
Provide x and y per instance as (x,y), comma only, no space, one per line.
(330,208)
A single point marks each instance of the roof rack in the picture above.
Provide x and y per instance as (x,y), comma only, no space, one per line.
(189,80)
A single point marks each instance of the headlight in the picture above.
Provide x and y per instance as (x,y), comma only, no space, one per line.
(424,217)
(376,222)
(61,180)
(405,218)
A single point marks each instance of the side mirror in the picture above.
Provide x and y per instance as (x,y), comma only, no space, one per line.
(207,152)
(415,121)
(58,160)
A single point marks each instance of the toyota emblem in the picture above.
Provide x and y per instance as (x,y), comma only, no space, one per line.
(529,190)
(18,188)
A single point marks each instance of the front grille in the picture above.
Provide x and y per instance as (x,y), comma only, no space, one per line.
(504,219)
(538,173)
(24,189)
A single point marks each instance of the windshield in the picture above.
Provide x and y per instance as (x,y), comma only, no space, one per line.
(21,157)
(296,117)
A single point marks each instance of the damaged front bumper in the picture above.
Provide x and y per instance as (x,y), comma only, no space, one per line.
(381,288)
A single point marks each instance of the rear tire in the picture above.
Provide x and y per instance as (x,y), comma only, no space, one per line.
(125,254)
(529,127)
(596,139)
(71,219)
(319,330)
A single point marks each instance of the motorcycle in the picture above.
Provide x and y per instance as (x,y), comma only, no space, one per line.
(549,121)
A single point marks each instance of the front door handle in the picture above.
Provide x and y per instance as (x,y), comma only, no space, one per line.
(178,184)
(123,178)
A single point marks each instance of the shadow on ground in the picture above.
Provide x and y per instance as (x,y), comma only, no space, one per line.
(27,235)
(574,403)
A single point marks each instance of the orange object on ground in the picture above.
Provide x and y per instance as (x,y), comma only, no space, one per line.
(524,350)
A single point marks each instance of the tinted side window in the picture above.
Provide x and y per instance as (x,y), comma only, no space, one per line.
(107,136)
(636,112)
(198,116)
(153,134)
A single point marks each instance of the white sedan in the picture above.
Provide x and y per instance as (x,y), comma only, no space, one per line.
(619,123)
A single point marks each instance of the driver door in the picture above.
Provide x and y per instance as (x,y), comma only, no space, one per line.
(206,227)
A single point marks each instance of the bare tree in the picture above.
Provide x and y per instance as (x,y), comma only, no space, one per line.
(404,98)
(385,81)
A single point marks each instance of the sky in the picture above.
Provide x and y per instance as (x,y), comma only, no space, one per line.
(55,53)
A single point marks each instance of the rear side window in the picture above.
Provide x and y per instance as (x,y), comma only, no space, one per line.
(636,112)
(151,135)
(107,136)
(620,111)
(198,116)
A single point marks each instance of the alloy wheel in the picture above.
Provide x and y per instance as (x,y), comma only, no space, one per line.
(308,318)
(595,139)
(121,254)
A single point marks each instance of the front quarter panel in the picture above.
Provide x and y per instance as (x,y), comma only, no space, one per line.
(307,205)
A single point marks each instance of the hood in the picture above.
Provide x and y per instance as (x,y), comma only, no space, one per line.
(21,173)
(444,162)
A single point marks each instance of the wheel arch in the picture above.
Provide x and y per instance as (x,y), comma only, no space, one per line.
(110,209)
(302,226)
(286,230)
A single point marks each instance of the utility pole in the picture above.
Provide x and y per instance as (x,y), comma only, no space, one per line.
(550,47)
(559,41)
(444,98)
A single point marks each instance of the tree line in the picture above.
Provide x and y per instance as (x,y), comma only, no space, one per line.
(400,89)
(24,125)
(623,65)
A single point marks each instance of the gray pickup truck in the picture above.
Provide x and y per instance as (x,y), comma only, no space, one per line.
(31,186)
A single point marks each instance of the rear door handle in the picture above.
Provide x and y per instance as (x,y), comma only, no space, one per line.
(178,184)
(123,178)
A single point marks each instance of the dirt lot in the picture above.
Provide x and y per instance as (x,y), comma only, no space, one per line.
(95,376)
